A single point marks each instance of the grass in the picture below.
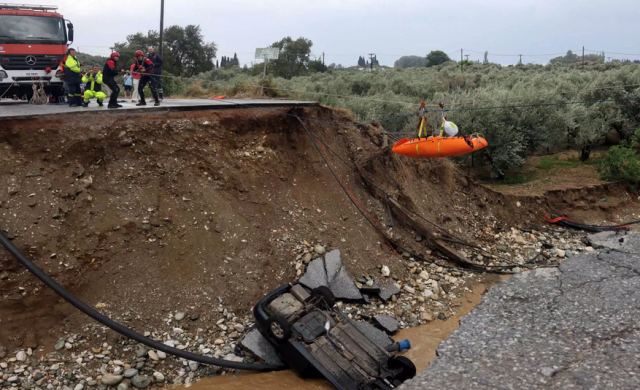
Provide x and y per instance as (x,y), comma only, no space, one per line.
(553,162)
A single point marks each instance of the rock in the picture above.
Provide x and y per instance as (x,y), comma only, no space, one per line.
(193,365)
(307,258)
(388,290)
(560,252)
(59,344)
(162,355)
(140,381)
(343,287)
(427,293)
(179,316)
(424,275)
(428,317)
(386,323)
(123,386)
(319,249)
(316,275)
(255,343)
(233,357)
(141,350)
(79,386)
(158,376)
(12,379)
(21,356)
(194,316)
(130,373)
(409,289)
(153,355)
(547,371)
(111,379)
(385,271)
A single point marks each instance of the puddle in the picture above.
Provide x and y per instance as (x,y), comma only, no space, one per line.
(424,341)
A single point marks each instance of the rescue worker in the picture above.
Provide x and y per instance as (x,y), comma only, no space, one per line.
(73,78)
(93,87)
(109,72)
(157,69)
(422,114)
(145,66)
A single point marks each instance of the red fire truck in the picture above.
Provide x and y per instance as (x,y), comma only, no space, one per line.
(33,43)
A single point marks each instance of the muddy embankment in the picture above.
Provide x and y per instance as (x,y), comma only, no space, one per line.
(144,215)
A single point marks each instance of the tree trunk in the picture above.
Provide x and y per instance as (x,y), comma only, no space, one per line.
(585,152)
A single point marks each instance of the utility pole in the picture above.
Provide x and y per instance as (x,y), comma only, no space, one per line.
(466,57)
(461,61)
(161,48)
(371,55)
(322,58)
(520,60)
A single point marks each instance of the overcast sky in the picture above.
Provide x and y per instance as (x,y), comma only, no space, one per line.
(346,29)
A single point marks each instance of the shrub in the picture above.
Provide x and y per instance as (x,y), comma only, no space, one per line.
(621,164)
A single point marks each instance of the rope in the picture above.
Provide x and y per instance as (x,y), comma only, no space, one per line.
(39,96)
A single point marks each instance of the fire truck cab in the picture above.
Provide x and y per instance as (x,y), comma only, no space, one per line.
(33,44)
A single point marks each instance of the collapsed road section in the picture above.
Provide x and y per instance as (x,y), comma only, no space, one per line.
(571,327)
(175,224)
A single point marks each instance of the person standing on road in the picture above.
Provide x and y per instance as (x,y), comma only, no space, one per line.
(110,71)
(145,66)
(93,87)
(73,78)
(157,69)
(128,85)
(135,78)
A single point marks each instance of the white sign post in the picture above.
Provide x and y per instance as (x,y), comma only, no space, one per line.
(266,54)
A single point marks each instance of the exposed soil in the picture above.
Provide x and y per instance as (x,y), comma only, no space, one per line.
(140,214)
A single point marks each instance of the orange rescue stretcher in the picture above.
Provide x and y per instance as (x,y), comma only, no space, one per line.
(437,146)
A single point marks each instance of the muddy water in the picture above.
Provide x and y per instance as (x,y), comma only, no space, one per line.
(424,341)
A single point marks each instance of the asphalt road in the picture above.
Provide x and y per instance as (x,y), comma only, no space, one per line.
(572,327)
(11,109)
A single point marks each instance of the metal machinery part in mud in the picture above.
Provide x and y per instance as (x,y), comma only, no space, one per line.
(313,337)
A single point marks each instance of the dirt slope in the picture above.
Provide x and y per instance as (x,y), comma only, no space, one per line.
(141,214)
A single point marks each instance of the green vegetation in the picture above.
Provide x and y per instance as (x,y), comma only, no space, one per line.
(622,162)
(436,57)
(185,51)
(522,110)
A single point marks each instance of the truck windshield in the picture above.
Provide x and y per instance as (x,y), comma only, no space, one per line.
(31,29)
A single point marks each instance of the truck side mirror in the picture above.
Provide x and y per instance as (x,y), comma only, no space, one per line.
(70,30)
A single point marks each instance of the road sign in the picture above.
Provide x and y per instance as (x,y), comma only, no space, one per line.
(267,53)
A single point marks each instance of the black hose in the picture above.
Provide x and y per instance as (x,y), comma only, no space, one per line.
(118,327)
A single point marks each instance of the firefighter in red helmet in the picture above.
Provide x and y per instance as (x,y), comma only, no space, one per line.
(144,65)
(109,73)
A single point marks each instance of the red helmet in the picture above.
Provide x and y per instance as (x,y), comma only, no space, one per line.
(139,53)
(115,55)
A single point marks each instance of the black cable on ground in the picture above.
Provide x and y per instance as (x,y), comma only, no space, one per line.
(118,327)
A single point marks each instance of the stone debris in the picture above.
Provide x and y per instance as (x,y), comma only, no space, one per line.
(255,343)
(329,271)
(417,293)
(386,323)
